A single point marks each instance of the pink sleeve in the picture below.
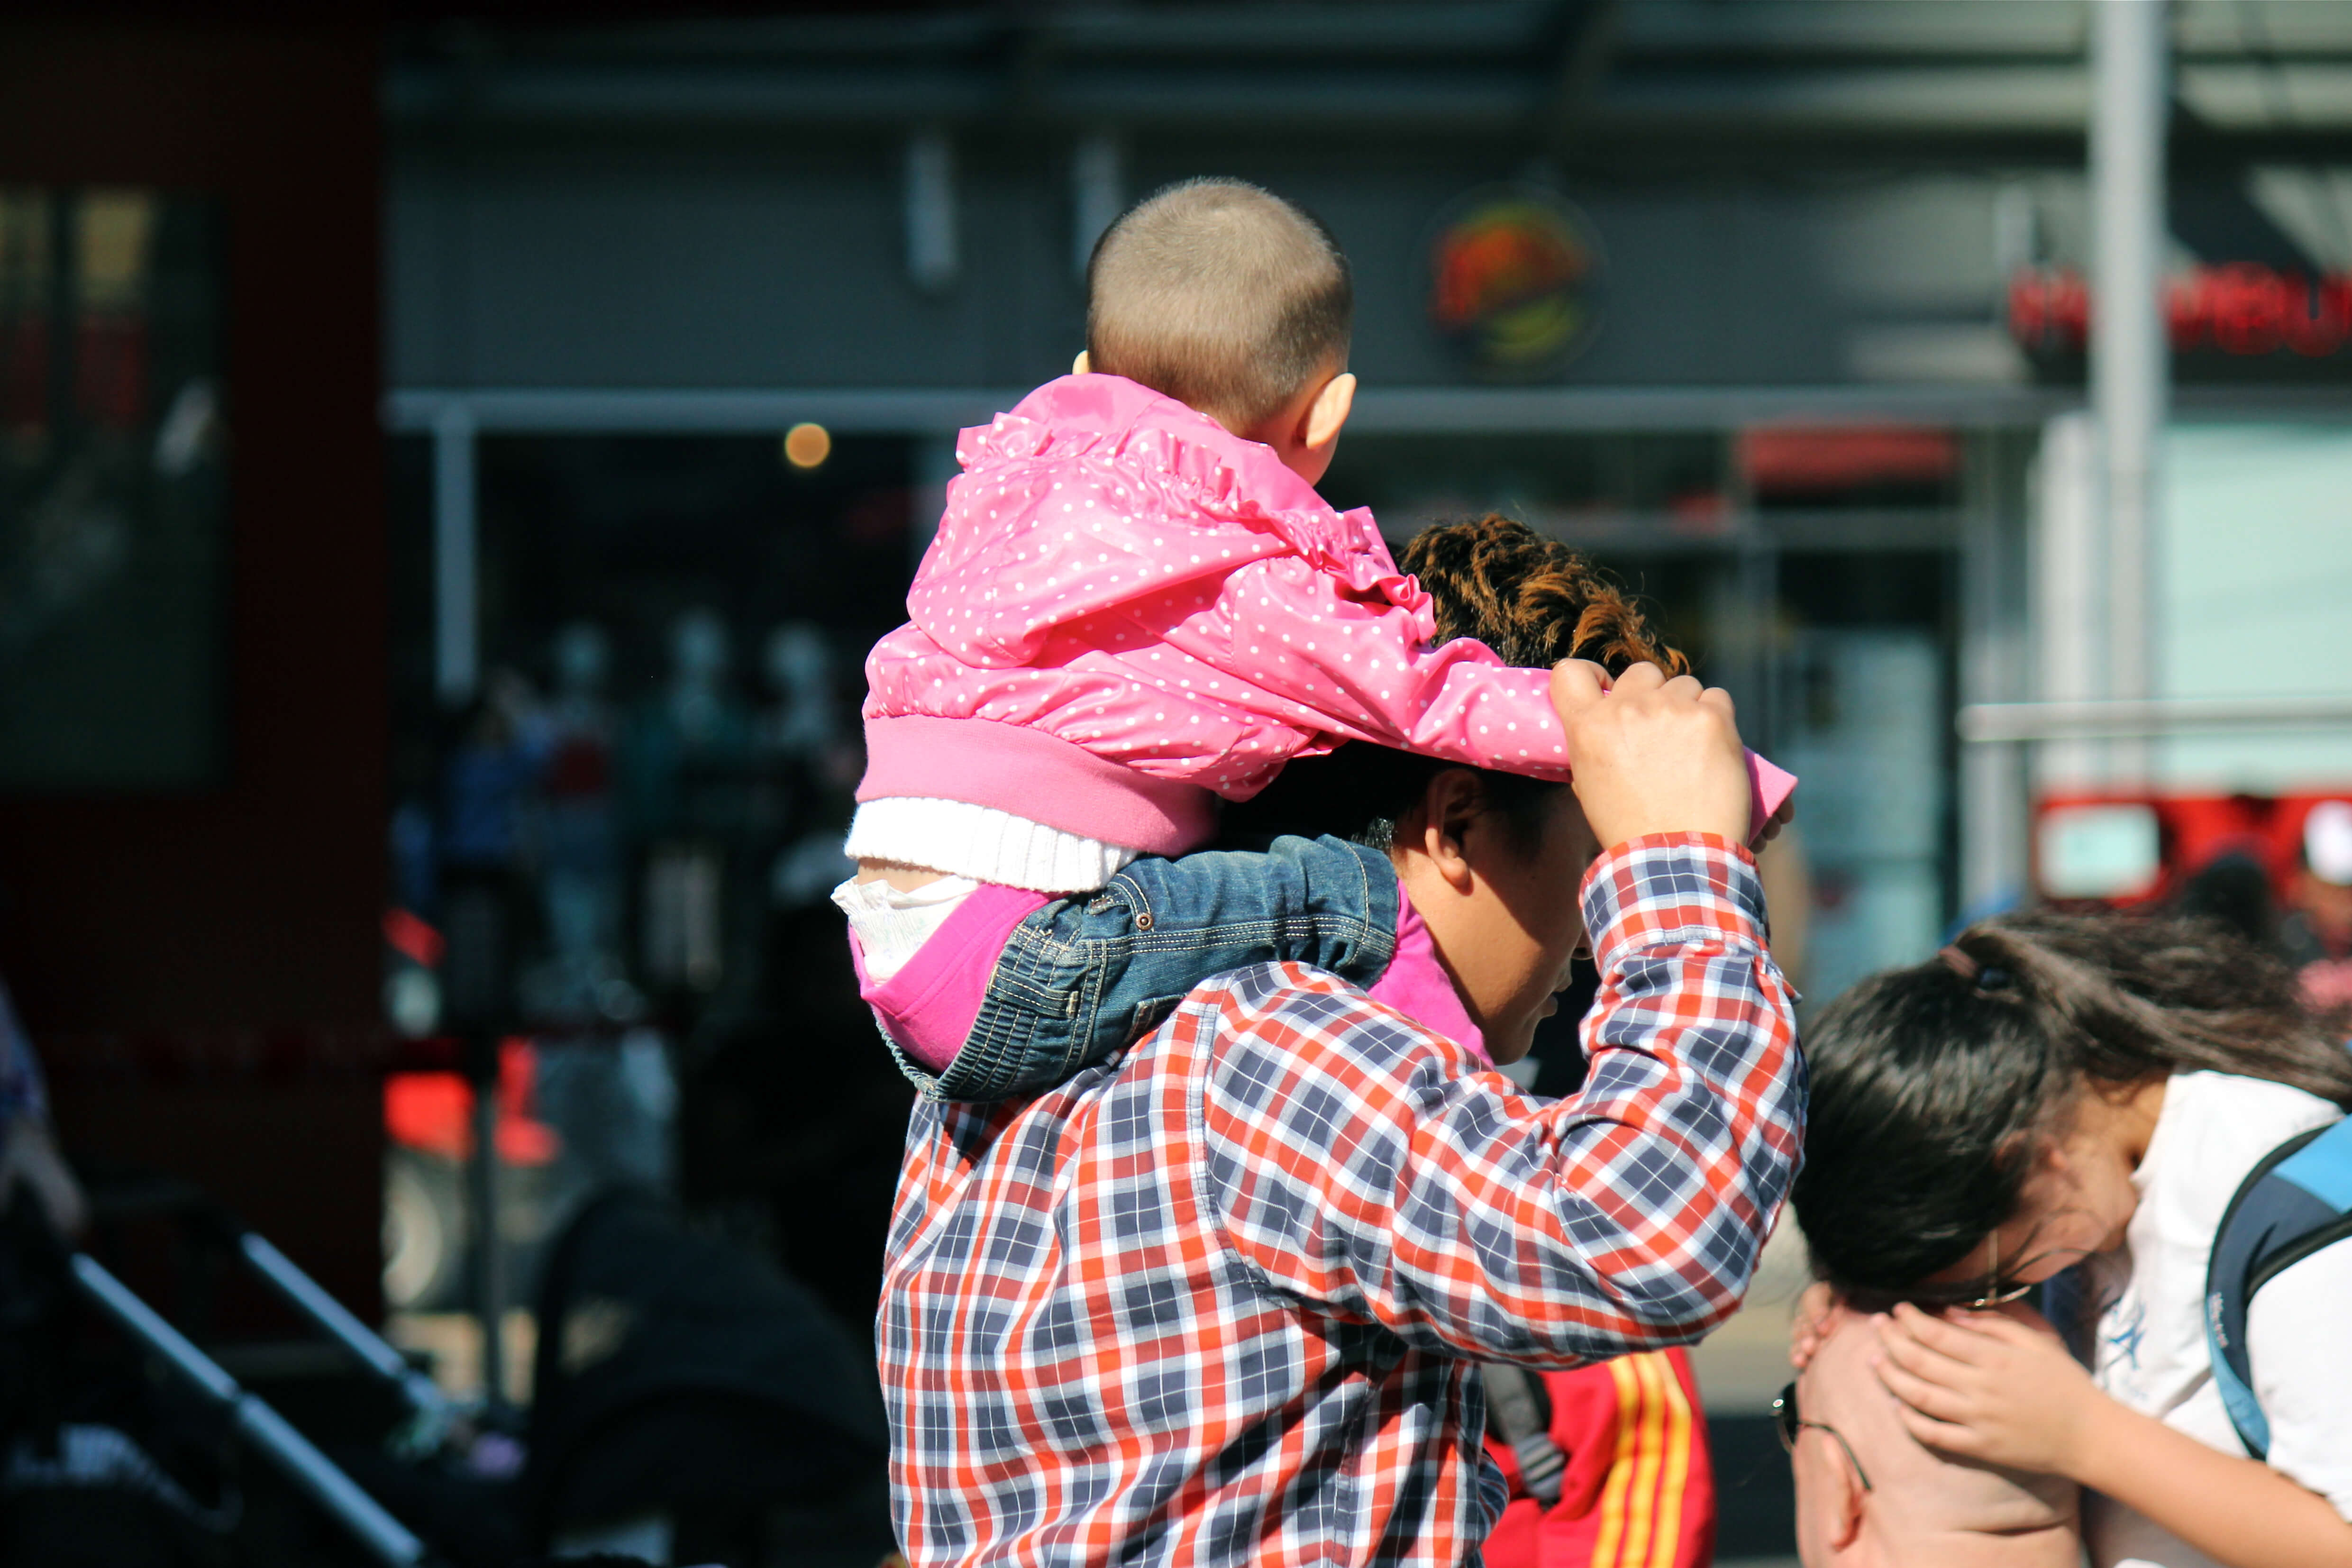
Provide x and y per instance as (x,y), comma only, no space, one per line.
(1360,670)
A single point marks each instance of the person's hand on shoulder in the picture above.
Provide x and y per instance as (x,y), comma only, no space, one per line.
(1650,755)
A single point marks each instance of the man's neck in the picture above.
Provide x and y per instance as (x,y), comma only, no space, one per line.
(2056,1546)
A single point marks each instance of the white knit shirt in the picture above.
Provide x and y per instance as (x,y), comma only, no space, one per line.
(970,845)
(983,844)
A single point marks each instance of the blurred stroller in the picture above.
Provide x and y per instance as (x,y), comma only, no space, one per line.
(691,1404)
(695,1406)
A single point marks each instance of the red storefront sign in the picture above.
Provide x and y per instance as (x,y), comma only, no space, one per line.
(2241,308)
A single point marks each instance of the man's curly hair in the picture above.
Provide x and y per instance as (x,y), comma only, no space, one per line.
(1533,600)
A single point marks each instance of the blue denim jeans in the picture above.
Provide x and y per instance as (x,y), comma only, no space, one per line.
(1082,977)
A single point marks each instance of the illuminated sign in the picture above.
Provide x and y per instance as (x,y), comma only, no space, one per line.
(1514,276)
(2242,308)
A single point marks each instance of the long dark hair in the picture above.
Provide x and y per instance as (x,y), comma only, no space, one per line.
(1935,1087)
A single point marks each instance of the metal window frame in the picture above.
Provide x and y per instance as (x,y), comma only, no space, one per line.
(456,418)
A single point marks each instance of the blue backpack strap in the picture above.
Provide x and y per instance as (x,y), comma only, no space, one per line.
(2296,1200)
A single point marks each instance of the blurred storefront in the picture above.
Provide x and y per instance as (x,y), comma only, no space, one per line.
(655,336)
(1767,305)
(1776,308)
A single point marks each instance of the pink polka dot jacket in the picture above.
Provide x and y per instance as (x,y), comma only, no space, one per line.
(1127,610)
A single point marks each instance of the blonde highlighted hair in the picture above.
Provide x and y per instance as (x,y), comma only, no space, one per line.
(1533,600)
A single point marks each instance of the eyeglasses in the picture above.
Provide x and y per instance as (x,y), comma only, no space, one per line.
(1787,1423)
(1969,1297)
(1997,1294)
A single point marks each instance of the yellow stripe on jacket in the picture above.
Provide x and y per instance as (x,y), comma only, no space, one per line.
(1611,1537)
(1666,1544)
(1641,1500)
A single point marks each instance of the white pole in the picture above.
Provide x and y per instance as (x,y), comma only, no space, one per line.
(1995,822)
(457,608)
(933,256)
(2130,367)
(1097,192)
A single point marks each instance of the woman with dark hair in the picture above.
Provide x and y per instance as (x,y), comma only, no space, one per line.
(2077,1098)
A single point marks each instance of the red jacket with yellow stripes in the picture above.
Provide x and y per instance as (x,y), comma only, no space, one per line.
(1639,1491)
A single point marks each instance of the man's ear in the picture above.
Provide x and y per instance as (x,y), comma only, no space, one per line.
(1845,1499)
(1328,413)
(1083,364)
(1449,807)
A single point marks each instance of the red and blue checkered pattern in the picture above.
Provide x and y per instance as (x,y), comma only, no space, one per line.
(1217,1301)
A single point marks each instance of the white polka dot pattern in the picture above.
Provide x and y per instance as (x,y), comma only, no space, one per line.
(1117,571)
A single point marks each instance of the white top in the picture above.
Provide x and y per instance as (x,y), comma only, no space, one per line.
(983,844)
(2149,1347)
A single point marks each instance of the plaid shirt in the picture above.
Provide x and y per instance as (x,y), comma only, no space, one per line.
(1217,1301)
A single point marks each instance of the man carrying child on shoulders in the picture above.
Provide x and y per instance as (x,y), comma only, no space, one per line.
(1216,1296)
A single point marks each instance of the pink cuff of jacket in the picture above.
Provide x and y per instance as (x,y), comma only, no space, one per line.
(1035,775)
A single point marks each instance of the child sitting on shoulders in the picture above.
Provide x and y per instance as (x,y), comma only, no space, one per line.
(1137,603)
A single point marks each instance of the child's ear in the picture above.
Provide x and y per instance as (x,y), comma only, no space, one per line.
(1328,412)
(1081,365)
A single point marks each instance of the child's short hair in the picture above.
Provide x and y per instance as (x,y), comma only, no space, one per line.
(1219,295)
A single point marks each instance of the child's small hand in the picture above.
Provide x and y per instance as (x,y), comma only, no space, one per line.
(1990,1387)
(1650,755)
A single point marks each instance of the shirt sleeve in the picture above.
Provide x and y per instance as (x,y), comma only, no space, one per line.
(1359,1164)
(1321,659)
(2302,1358)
